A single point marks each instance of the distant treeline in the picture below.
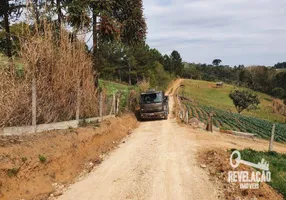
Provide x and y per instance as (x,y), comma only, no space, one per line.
(260,78)
(280,65)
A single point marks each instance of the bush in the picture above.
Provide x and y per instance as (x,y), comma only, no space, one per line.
(278,92)
(160,79)
(143,85)
(13,172)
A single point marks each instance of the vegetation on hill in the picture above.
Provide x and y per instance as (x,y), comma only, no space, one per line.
(204,98)
(259,78)
(207,94)
(244,100)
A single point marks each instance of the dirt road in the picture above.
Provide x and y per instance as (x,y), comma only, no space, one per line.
(156,162)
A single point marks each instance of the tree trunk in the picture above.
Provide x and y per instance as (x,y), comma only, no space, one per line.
(7,30)
(59,10)
(94,27)
(36,13)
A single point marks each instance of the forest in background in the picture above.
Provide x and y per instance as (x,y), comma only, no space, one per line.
(117,30)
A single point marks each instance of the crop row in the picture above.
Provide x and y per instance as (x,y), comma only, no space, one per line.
(233,121)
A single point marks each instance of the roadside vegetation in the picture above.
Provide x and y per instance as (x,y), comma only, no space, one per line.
(48,47)
(277,166)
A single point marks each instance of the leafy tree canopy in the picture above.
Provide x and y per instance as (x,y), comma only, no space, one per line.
(216,62)
(244,99)
(280,65)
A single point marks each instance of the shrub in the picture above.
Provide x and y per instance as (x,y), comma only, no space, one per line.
(143,85)
(13,172)
(278,92)
(24,159)
(60,67)
(42,158)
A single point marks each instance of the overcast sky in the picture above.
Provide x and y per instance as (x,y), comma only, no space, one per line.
(245,32)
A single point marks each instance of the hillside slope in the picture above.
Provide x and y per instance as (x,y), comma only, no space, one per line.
(206,94)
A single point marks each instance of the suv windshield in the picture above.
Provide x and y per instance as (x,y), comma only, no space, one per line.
(151,98)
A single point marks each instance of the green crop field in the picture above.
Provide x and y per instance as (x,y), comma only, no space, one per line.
(206,94)
(233,121)
(204,98)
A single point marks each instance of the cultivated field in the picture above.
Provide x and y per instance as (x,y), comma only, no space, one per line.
(206,94)
(203,98)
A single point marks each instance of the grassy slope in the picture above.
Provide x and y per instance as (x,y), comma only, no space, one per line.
(205,93)
(113,87)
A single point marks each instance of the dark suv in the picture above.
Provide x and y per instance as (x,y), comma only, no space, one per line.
(154,105)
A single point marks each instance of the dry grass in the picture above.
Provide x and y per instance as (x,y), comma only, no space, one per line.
(279,107)
(143,85)
(62,70)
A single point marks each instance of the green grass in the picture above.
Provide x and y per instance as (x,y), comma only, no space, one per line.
(277,166)
(113,87)
(205,94)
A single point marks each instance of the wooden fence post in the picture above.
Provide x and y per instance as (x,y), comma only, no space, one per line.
(100,104)
(117,105)
(113,105)
(78,103)
(34,103)
(114,101)
(187,117)
(272,138)
(210,123)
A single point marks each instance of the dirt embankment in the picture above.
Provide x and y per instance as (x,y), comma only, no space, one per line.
(32,167)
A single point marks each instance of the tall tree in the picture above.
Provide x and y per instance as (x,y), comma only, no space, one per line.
(216,62)
(129,14)
(177,63)
(112,20)
(9,9)
(5,14)
(59,11)
(244,99)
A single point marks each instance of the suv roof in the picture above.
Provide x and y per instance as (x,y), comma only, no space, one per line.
(151,92)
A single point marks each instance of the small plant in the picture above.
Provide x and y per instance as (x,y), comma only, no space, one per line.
(83,123)
(42,158)
(224,128)
(13,172)
(24,159)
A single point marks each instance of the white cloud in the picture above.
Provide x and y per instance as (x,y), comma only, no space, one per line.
(237,31)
